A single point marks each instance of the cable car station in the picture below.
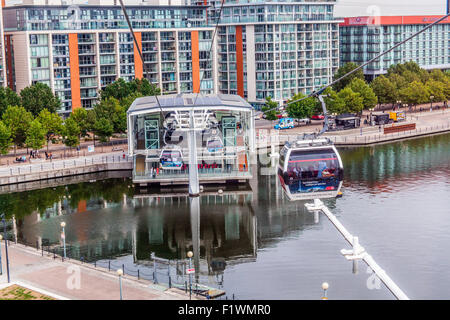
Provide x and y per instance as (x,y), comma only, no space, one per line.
(160,130)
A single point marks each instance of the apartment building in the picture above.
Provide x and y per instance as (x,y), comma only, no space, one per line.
(3,54)
(261,49)
(276,48)
(363,38)
(79,49)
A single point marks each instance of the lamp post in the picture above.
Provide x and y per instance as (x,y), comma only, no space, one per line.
(120,273)
(63,237)
(431,103)
(6,246)
(190,254)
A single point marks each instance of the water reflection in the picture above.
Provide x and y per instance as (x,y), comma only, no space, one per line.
(110,219)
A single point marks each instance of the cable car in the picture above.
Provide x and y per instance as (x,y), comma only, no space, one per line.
(171,159)
(310,169)
(214,144)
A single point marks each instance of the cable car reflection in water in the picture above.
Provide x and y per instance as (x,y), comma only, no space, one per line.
(310,169)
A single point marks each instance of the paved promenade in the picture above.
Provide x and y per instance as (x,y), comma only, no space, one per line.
(28,267)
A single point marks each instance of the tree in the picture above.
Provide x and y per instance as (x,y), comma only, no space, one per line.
(384,89)
(52,124)
(17,119)
(345,101)
(127,101)
(401,68)
(302,109)
(415,93)
(346,68)
(121,89)
(104,129)
(437,90)
(5,138)
(365,91)
(80,116)
(398,81)
(270,109)
(35,135)
(37,97)
(111,109)
(8,98)
(71,132)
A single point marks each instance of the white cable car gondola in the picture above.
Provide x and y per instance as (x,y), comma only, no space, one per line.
(171,158)
(310,169)
(214,144)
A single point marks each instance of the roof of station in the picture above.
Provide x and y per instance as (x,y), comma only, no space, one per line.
(185,101)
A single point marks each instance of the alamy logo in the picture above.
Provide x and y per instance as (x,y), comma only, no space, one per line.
(74,280)
(74,17)
(374,20)
(373,282)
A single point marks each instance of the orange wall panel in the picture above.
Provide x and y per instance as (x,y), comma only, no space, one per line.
(74,71)
(195,62)
(239,62)
(138,65)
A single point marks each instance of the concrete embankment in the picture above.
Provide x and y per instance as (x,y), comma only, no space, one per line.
(45,170)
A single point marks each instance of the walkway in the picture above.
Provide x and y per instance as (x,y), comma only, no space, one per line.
(28,267)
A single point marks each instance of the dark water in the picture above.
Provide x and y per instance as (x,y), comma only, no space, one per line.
(396,200)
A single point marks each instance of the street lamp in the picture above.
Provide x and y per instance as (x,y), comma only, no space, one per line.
(120,273)
(431,101)
(190,254)
(6,246)
(63,237)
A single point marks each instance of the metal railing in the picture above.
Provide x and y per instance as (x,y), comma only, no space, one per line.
(163,272)
(52,165)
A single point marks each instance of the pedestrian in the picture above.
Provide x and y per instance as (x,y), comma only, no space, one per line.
(46,155)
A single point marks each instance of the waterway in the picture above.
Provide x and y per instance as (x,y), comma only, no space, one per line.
(253,242)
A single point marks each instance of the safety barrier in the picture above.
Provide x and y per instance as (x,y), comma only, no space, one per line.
(403,127)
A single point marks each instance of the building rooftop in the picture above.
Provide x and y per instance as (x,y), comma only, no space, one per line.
(185,101)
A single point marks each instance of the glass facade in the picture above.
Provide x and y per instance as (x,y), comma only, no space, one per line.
(430,49)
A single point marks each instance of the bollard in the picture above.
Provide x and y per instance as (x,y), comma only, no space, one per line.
(109,265)
(185,286)
(325,287)
(123,268)
(138,274)
(170,282)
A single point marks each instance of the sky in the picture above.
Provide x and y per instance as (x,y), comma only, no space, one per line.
(348,8)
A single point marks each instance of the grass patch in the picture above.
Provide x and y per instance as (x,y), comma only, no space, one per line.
(16,292)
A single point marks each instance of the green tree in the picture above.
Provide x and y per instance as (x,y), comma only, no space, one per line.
(365,91)
(346,68)
(127,101)
(17,119)
(384,89)
(104,129)
(111,109)
(8,98)
(80,116)
(345,101)
(71,132)
(5,138)
(302,109)
(415,93)
(437,90)
(52,124)
(398,81)
(121,89)
(401,68)
(270,109)
(35,135)
(37,97)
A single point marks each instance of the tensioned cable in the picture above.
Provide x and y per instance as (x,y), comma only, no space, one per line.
(211,47)
(315,93)
(138,48)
